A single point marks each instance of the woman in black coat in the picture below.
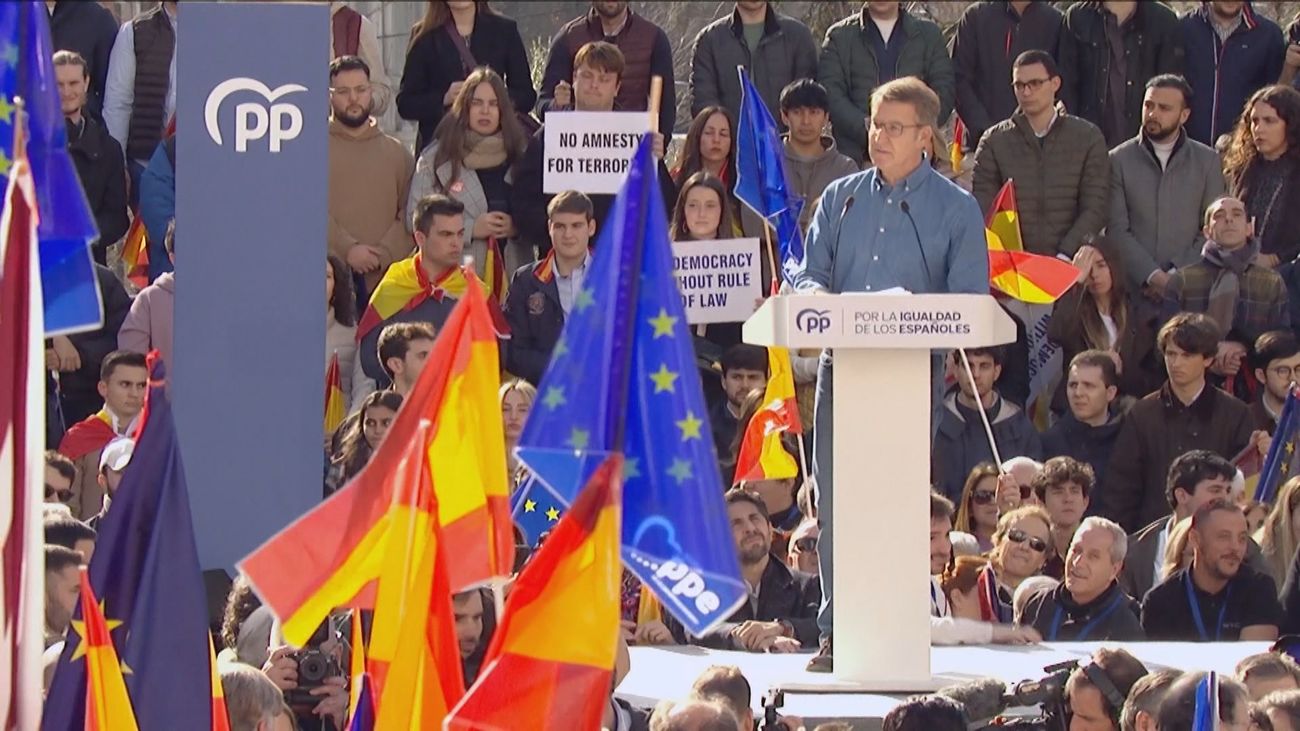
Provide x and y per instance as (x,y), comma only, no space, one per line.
(450,41)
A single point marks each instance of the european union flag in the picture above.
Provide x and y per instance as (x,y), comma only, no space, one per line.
(1283,460)
(146,572)
(623,378)
(535,511)
(760,175)
(67,227)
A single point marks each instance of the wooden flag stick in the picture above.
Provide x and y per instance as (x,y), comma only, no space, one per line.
(656,97)
(771,257)
(984,417)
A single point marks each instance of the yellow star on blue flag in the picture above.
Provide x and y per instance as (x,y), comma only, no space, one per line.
(1282,458)
(629,374)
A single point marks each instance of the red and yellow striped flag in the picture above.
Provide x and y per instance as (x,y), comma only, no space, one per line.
(335,411)
(537,674)
(220,718)
(762,456)
(494,270)
(302,580)
(357,664)
(135,253)
(1031,278)
(108,707)
(955,153)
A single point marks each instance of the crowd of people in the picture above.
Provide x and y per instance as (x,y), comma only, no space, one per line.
(1159,154)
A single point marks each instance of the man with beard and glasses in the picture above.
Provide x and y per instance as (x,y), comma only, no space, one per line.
(1219,598)
(781,614)
(370,173)
(1162,180)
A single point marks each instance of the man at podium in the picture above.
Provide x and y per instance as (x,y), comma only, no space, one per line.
(897,225)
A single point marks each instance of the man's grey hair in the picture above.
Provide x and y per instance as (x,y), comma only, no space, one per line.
(693,715)
(251,697)
(1029,587)
(1015,462)
(1119,539)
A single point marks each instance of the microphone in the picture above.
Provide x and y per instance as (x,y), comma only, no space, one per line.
(907,211)
(983,699)
(839,226)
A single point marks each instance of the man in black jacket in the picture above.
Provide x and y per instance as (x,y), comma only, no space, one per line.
(76,358)
(1146,35)
(88,29)
(1088,605)
(98,157)
(542,293)
(781,614)
(989,36)
(1087,433)
(598,78)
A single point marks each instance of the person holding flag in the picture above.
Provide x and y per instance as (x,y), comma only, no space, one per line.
(922,233)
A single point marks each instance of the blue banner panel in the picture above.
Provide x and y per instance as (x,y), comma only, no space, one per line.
(252,169)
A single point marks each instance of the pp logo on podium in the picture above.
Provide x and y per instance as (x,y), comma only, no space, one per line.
(813,321)
(253,121)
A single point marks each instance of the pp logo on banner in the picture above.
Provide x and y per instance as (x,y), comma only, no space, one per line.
(253,121)
(813,321)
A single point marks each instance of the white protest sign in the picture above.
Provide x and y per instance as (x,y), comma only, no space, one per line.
(720,281)
(589,151)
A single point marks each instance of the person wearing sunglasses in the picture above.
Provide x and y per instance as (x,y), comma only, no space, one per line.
(1021,546)
(802,553)
(979,508)
(60,474)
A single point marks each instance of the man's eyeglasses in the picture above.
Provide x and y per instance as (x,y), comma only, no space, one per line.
(1030,85)
(807,544)
(983,497)
(1015,535)
(54,493)
(893,129)
(1288,373)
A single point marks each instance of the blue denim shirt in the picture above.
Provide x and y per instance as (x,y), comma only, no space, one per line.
(874,246)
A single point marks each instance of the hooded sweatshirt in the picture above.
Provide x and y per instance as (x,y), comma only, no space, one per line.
(809,176)
(370,173)
(149,323)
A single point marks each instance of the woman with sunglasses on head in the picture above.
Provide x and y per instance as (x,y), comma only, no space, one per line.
(1021,546)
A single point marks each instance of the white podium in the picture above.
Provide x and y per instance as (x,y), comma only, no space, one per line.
(882,345)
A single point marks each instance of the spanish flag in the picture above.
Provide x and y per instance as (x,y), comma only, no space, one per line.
(301,579)
(335,411)
(955,153)
(494,268)
(135,253)
(762,456)
(1031,278)
(108,707)
(538,674)
(220,718)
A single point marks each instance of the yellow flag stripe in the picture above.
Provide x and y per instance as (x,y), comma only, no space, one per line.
(467,455)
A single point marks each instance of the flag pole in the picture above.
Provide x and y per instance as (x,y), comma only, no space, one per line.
(984,417)
(655,100)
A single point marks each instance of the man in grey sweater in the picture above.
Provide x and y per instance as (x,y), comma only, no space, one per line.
(811,160)
(1160,182)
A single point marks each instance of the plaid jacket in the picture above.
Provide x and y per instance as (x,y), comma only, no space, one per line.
(1261,306)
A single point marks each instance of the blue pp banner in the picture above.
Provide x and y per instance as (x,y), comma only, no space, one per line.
(251,207)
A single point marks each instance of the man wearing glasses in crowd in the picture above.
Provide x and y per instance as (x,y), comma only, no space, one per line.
(910,228)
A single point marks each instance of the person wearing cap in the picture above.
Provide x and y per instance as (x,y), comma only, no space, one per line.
(112,463)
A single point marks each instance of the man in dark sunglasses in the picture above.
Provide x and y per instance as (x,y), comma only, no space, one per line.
(60,474)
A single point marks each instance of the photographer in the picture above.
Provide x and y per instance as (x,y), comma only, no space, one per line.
(330,712)
(1096,692)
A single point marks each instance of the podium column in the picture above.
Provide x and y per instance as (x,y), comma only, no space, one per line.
(881,525)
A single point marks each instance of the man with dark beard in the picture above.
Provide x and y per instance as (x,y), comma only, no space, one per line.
(370,173)
(1162,180)
(781,614)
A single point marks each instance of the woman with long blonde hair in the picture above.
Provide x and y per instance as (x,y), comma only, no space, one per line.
(1277,538)
(517,397)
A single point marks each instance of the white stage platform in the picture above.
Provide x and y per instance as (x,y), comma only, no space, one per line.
(660,673)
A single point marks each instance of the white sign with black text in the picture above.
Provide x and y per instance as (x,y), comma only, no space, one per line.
(720,281)
(590,151)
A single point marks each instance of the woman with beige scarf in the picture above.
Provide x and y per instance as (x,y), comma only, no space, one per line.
(469,159)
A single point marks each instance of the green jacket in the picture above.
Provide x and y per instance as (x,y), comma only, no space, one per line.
(848,70)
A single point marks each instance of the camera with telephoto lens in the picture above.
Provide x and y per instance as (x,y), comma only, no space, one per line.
(1048,693)
(314,666)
